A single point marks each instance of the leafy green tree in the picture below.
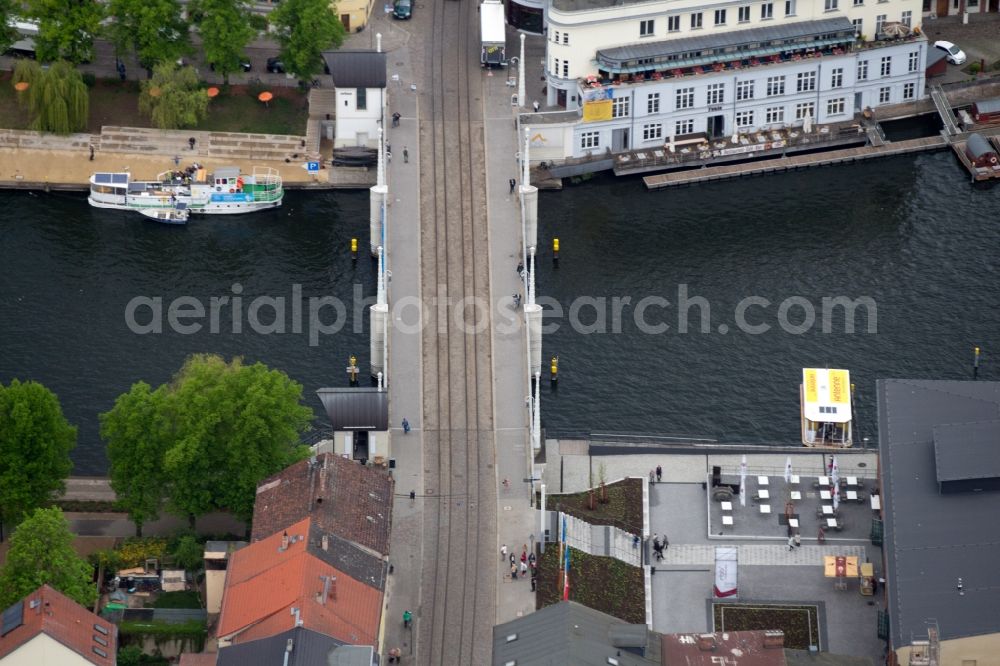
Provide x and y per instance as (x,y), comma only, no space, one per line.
(35,441)
(58,99)
(173,98)
(137,433)
(188,553)
(236,424)
(304,29)
(66,28)
(8,35)
(154,29)
(41,551)
(221,428)
(225,30)
(130,655)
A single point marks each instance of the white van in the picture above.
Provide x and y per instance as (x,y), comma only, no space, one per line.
(26,33)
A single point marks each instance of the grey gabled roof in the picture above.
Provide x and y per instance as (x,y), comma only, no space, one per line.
(356,69)
(967,450)
(933,539)
(713,40)
(983,105)
(309,648)
(565,633)
(356,408)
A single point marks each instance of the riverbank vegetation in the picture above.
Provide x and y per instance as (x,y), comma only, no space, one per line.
(114,103)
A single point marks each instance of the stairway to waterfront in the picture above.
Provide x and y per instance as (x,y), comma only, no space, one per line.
(943,107)
(238,146)
(322,105)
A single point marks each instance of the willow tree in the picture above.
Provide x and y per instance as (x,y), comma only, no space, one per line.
(58,99)
(172,98)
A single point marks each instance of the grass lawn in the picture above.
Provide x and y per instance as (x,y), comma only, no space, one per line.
(601,583)
(624,507)
(236,109)
(800,623)
(183,599)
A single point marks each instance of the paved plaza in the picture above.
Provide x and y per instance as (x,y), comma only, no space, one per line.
(768,571)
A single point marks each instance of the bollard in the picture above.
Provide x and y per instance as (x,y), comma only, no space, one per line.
(354,249)
(554,368)
(352,369)
(555,251)
(975,363)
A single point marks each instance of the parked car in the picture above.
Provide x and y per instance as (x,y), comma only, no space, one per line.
(275,66)
(956,56)
(245,65)
(402,9)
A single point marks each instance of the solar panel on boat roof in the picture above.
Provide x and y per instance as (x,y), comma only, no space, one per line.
(102,177)
(119,178)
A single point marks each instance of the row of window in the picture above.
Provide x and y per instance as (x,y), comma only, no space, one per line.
(647,27)
(745,90)
(746,119)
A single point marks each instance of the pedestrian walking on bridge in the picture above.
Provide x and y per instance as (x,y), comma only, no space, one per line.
(406,155)
(406,426)
(513,184)
(407,619)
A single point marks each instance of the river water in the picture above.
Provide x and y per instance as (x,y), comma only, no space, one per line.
(909,233)
(67,272)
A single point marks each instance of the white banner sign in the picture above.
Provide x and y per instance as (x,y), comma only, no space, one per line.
(725,571)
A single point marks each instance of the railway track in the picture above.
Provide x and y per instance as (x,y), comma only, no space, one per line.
(458,592)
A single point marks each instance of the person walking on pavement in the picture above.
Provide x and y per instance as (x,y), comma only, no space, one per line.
(520,268)
(406,426)
(407,619)
(659,473)
(513,184)
(517,301)
(535,105)
(652,475)
(406,155)
(513,571)
(395,119)
(524,567)
(534,578)
(503,551)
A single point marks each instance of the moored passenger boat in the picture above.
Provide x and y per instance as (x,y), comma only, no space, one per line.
(225,191)
(826,407)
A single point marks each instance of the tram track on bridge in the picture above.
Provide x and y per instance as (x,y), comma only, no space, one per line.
(458,582)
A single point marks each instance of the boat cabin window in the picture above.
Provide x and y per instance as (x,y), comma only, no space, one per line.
(107,189)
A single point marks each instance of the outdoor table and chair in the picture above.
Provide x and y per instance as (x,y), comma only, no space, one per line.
(822,482)
(795,495)
(825,495)
(840,568)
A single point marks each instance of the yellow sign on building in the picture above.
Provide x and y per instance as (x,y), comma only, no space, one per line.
(599,110)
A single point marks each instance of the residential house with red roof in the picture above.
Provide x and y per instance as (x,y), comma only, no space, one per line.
(303,576)
(47,627)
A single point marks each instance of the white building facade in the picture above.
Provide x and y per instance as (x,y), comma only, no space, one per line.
(359,78)
(645,72)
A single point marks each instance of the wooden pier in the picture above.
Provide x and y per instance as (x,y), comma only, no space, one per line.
(777,165)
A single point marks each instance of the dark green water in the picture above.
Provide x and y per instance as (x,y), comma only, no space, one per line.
(910,233)
(67,272)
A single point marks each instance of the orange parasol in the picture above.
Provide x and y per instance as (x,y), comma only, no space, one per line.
(21,86)
(212,92)
(265,97)
(154,92)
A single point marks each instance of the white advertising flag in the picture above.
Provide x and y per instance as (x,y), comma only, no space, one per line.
(743,482)
(788,469)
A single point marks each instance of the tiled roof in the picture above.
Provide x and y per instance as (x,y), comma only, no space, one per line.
(48,611)
(267,580)
(198,659)
(345,499)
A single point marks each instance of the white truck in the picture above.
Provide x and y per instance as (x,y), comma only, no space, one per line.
(493,34)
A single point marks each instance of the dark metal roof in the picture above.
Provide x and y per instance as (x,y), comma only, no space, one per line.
(933,539)
(978,145)
(362,564)
(309,648)
(356,69)
(934,56)
(566,633)
(983,105)
(711,41)
(356,408)
(967,451)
